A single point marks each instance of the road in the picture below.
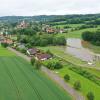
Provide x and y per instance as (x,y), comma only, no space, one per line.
(60,81)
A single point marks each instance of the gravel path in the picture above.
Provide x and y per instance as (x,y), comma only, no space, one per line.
(55,77)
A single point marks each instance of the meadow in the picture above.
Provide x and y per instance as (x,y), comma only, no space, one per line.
(19,81)
(77,33)
(86,85)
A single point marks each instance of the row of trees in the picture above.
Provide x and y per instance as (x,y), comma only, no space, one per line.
(77,86)
(86,74)
(93,37)
(42,40)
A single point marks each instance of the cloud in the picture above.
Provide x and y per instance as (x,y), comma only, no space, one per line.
(37,7)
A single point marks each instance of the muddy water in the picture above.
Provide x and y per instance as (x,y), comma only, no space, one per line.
(75,48)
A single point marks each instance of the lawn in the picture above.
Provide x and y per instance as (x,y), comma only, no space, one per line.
(86,84)
(5,52)
(19,81)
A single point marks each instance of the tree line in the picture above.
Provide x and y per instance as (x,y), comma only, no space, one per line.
(92,37)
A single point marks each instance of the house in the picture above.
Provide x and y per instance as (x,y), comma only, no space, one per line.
(8,41)
(50,30)
(43,56)
(21,46)
(32,51)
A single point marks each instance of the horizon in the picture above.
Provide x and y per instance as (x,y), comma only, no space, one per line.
(48,15)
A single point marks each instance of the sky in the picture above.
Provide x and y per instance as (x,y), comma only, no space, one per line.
(48,7)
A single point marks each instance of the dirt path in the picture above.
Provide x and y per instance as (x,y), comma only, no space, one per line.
(55,77)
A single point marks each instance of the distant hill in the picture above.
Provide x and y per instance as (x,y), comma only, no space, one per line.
(51,18)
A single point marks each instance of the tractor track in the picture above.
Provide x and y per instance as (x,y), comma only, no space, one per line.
(12,80)
(52,91)
(29,81)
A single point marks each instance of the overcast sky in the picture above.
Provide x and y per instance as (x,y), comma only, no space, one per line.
(48,7)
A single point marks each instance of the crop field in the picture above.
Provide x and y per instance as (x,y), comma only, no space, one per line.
(19,81)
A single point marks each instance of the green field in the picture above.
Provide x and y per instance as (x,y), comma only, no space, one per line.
(70,25)
(5,52)
(77,33)
(86,85)
(19,81)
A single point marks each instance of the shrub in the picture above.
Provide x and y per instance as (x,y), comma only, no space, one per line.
(32,61)
(4,45)
(49,52)
(90,96)
(23,51)
(77,85)
(37,65)
(67,77)
(53,64)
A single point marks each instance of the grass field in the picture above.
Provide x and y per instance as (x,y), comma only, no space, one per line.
(86,85)
(5,52)
(19,81)
(77,33)
(70,25)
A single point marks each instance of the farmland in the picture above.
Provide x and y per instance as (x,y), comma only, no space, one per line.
(19,81)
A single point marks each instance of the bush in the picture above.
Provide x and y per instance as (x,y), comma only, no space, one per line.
(23,51)
(77,85)
(90,96)
(37,65)
(33,61)
(49,52)
(53,64)
(4,45)
(67,77)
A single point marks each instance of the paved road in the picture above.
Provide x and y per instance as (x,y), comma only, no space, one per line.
(55,77)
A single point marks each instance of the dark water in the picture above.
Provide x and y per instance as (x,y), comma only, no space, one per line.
(76,49)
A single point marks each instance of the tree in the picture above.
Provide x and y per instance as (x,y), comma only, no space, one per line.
(37,65)
(77,85)
(33,61)
(49,52)
(53,64)
(87,36)
(67,77)
(90,96)
(5,45)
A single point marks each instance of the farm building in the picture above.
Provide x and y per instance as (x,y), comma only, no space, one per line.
(32,51)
